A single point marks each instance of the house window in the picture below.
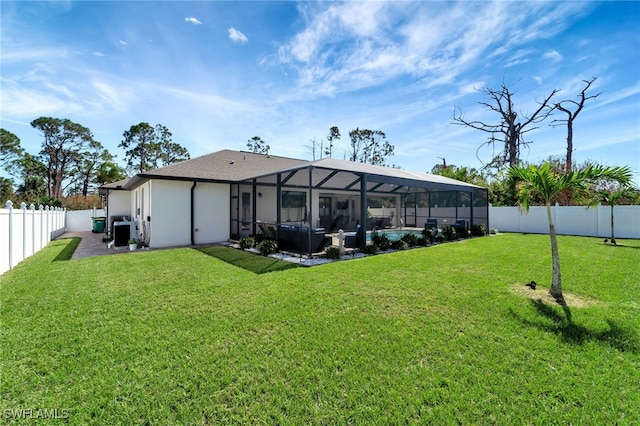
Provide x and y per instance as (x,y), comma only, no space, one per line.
(294,206)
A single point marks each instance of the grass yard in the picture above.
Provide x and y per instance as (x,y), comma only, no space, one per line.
(439,335)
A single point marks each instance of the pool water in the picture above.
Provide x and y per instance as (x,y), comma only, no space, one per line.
(393,234)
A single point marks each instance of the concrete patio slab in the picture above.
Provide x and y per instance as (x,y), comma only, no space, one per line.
(91,245)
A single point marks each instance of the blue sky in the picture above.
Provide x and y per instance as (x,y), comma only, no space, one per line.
(218,73)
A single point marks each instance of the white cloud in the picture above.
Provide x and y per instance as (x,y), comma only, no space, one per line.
(109,96)
(192,20)
(519,57)
(553,55)
(33,54)
(123,43)
(471,88)
(21,103)
(237,36)
(98,54)
(355,45)
(64,90)
(206,101)
(615,97)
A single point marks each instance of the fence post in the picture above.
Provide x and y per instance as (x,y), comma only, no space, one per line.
(47,236)
(41,209)
(9,206)
(23,207)
(32,207)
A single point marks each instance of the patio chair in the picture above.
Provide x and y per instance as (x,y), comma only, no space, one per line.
(268,231)
(460,225)
(432,223)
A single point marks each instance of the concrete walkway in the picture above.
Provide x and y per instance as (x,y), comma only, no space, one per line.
(91,245)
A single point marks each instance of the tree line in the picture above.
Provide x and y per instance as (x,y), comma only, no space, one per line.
(73,164)
(365,146)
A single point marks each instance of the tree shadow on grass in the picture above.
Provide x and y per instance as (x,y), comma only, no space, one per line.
(624,339)
(68,250)
(620,245)
(248,261)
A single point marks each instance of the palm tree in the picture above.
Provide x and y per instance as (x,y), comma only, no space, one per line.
(611,198)
(109,172)
(545,183)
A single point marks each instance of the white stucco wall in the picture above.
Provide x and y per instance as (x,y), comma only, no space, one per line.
(170,213)
(119,205)
(211,213)
(140,210)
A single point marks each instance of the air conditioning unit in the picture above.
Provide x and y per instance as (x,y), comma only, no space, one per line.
(124,231)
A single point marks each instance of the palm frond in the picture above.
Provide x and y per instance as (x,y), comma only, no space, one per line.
(542,181)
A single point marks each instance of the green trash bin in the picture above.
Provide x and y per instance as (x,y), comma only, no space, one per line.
(98,225)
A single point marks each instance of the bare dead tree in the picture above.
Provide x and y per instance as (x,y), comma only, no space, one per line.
(571,116)
(312,148)
(511,128)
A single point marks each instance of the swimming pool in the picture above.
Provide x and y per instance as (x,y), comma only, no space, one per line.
(394,234)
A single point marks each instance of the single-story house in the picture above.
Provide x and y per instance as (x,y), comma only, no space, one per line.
(230,194)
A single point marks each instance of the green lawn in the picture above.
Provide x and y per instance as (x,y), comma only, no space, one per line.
(437,335)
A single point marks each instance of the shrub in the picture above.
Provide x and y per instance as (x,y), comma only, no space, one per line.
(493,231)
(370,249)
(400,245)
(332,252)
(80,202)
(439,238)
(267,247)
(412,240)
(478,230)
(450,233)
(429,235)
(247,242)
(462,232)
(381,241)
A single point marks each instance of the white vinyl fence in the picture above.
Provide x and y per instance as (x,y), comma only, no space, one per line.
(26,230)
(569,220)
(82,220)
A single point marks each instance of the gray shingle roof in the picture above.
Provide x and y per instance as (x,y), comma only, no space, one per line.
(115,185)
(222,166)
(340,174)
(237,166)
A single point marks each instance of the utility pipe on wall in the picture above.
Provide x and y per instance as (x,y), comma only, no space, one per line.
(193,237)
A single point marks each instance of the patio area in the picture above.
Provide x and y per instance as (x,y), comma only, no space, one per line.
(91,245)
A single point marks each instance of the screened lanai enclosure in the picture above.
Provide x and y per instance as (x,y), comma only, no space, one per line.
(304,207)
